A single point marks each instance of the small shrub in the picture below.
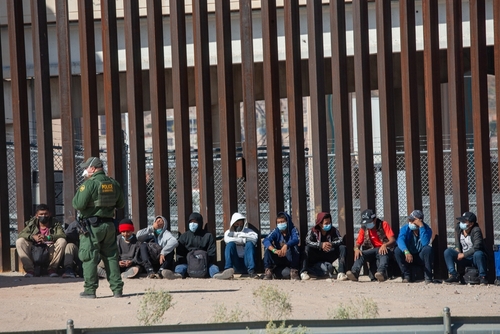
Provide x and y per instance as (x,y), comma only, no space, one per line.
(275,304)
(153,306)
(365,308)
(283,329)
(222,315)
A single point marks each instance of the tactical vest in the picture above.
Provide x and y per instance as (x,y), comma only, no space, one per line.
(106,193)
(367,244)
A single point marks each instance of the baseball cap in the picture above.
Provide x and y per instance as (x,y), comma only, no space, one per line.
(367,216)
(416,214)
(92,162)
(468,216)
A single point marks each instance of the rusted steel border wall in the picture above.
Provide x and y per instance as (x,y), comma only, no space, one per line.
(317,73)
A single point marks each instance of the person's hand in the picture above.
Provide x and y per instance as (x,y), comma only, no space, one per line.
(122,264)
(383,249)
(162,258)
(409,258)
(326,246)
(37,238)
(460,256)
(418,222)
(357,254)
(282,251)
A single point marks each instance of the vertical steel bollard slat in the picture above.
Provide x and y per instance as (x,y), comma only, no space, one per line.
(70,326)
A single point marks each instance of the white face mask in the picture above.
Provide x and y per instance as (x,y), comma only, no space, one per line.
(85,173)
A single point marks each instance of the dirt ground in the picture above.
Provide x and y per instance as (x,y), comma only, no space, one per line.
(43,303)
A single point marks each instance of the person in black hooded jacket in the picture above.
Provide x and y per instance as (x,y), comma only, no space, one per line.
(197,238)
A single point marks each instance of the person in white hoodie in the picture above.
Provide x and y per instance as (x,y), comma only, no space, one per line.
(240,242)
(159,233)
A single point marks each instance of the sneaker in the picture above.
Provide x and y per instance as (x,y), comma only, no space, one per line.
(52,273)
(130,272)
(405,280)
(101,272)
(87,295)
(452,279)
(252,274)
(169,274)
(351,276)
(226,274)
(68,273)
(342,277)
(294,275)
(483,281)
(29,274)
(380,276)
(428,281)
(268,275)
(304,276)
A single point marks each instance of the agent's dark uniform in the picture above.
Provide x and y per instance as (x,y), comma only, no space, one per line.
(97,199)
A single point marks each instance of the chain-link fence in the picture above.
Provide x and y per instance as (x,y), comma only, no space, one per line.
(265,215)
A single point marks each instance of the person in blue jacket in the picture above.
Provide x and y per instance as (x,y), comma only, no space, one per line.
(281,256)
(414,247)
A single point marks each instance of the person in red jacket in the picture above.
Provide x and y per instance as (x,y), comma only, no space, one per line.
(374,245)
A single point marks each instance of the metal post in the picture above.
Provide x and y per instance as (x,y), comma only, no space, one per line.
(70,327)
(447,320)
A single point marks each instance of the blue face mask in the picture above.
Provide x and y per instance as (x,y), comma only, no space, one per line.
(463,226)
(327,228)
(123,237)
(282,226)
(412,226)
(158,230)
(370,225)
(193,227)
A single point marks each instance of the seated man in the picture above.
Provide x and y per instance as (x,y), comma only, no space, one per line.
(324,245)
(240,246)
(470,249)
(194,240)
(41,230)
(377,239)
(128,249)
(281,255)
(413,247)
(163,260)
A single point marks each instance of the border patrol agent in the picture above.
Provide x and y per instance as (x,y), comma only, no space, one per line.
(96,199)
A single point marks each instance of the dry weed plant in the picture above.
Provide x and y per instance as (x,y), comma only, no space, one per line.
(153,306)
(364,308)
(274,303)
(221,314)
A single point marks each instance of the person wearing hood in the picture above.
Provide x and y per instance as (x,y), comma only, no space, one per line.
(42,229)
(158,233)
(414,247)
(377,240)
(470,250)
(194,239)
(324,245)
(240,246)
(281,255)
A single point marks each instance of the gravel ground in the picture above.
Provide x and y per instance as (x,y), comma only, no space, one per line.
(43,303)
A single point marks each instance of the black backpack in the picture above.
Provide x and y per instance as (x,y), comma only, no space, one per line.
(197,261)
(40,254)
(471,275)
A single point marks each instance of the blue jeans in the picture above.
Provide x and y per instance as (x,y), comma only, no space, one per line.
(182,269)
(423,258)
(240,265)
(478,260)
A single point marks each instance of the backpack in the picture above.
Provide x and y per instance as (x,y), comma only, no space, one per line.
(154,251)
(197,261)
(40,255)
(471,275)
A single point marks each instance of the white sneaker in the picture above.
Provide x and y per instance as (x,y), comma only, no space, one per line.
(226,274)
(304,276)
(342,277)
